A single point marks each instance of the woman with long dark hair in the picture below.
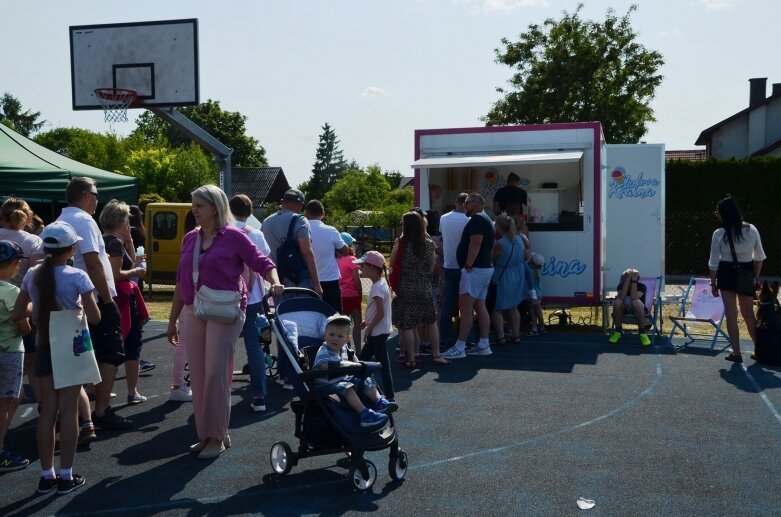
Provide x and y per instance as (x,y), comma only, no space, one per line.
(735,245)
(414,304)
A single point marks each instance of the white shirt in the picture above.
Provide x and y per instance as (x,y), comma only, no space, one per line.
(256,236)
(92,241)
(379,289)
(451,226)
(747,250)
(325,241)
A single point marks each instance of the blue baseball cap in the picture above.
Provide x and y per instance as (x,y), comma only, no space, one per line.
(347,238)
(9,250)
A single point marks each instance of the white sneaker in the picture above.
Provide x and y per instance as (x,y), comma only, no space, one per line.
(476,350)
(453,353)
(181,394)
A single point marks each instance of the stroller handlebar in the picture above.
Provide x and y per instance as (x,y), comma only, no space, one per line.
(289,292)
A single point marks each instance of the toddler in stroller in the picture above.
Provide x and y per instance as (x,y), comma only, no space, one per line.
(325,422)
(338,329)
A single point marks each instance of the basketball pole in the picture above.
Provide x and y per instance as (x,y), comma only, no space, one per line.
(222,153)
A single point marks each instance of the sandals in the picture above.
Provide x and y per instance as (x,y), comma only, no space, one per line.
(500,342)
(438,359)
(735,358)
(411,365)
(516,340)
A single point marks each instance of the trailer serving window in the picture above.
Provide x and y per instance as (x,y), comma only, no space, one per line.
(553,182)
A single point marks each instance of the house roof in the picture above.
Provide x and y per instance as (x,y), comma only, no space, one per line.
(706,134)
(768,148)
(691,155)
(261,184)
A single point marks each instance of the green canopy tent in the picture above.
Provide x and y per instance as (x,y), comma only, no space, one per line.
(36,174)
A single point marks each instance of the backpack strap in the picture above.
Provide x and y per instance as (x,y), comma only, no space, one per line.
(292,226)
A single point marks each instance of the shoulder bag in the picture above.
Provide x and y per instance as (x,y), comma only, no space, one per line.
(213,304)
(73,359)
(745,278)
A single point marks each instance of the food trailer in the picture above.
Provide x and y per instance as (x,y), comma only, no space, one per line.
(564,170)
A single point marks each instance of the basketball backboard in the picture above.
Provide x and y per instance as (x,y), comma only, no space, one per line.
(157,59)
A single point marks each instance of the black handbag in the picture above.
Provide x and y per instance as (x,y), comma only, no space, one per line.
(744,278)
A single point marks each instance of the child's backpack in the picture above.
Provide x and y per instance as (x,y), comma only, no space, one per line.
(290,263)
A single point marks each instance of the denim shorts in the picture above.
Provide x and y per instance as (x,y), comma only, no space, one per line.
(11,369)
(347,382)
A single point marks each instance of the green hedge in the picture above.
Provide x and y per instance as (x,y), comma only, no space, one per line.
(692,191)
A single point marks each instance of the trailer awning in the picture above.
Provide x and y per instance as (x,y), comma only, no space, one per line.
(553,157)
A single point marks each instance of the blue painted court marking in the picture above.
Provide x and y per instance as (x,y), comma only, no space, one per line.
(761,394)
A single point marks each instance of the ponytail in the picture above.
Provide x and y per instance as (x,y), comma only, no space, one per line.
(47,294)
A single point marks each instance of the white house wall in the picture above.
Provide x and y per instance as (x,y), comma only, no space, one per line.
(730,139)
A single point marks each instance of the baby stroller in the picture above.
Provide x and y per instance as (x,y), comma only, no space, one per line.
(324,424)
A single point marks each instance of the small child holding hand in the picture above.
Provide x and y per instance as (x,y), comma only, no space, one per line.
(337,334)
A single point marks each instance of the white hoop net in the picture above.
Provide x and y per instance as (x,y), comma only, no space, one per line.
(115,102)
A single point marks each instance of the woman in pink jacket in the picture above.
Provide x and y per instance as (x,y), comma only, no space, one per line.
(223,254)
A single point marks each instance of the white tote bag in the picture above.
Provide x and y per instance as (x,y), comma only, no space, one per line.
(73,359)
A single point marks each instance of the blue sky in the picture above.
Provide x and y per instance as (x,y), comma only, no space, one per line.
(378,70)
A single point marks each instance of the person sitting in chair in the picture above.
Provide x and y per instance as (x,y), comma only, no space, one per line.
(630,300)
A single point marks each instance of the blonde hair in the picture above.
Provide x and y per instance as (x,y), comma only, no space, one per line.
(217,198)
(506,225)
(15,213)
(114,214)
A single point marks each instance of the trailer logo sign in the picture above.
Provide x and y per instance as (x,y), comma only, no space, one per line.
(622,185)
(562,268)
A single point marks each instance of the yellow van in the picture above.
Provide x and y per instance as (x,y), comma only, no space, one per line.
(166,225)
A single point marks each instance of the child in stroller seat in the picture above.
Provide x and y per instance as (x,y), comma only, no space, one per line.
(338,330)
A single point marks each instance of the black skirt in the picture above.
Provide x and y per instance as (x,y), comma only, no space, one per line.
(727,276)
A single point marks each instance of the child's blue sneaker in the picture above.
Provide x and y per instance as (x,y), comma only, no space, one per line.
(10,462)
(383,405)
(371,418)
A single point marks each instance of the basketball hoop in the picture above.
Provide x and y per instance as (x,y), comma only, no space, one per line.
(115,102)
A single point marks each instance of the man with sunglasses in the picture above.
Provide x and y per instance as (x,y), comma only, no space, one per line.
(91,256)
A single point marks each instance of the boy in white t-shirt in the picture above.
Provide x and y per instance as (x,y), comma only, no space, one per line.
(377,325)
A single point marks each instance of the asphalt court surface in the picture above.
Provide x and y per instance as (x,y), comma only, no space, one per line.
(526,431)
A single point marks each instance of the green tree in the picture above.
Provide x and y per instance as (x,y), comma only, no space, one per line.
(394,178)
(171,173)
(357,190)
(11,114)
(329,165)
(226,126)
(573,70)
(104,151)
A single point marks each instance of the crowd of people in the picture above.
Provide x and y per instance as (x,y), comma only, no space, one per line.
(445,275)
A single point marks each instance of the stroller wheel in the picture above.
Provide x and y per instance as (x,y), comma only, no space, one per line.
(281,458)
(397,466)
(361,483)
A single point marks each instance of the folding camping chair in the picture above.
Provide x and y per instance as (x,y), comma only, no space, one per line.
(653,306)
(704,309)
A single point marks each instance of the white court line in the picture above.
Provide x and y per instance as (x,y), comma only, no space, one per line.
(183,503)
(761,393)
